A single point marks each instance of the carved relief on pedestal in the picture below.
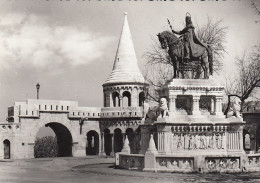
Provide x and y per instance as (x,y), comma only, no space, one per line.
(198,137)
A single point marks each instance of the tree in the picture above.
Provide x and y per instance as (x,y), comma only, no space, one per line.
(159,68)
(46,147)
(256,9)
(247,80)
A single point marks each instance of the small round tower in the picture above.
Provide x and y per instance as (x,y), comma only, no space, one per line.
(125,86)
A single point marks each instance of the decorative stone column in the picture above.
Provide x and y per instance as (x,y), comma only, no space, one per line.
(218,105)
(111,99)
(123,137)
(103,144)
(172,104)
(120,101)
(113,151)
(212,105)
(195,105)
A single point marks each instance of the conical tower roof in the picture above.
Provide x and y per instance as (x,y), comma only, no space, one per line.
(125,69)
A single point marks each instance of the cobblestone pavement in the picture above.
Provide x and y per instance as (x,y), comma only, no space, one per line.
(100,170)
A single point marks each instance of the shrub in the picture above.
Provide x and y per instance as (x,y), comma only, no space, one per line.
(46,147)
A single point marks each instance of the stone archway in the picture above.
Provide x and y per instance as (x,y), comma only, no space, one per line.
(107,142)
(7,149)
(116,100)
(131,137)
(118,140)
(126,99)
(141,98)
(64,138)
(92,147)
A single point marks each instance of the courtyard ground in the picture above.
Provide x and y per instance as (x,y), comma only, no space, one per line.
(99,170)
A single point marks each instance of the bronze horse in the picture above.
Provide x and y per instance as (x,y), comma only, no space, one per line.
(176,50)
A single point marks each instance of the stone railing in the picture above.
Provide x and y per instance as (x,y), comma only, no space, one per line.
(223,164)
(253,162)
(84,114)
(175,164)
(133,161)
(121,112)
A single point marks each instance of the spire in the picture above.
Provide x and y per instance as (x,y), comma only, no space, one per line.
(151,147)
(126,148)
(125,69)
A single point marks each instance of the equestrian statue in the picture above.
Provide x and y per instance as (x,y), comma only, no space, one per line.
(186,49)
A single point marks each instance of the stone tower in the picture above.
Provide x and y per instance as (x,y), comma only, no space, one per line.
(125,86)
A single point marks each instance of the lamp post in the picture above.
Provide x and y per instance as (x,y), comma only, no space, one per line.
(38,88)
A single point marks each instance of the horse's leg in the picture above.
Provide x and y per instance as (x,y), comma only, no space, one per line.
(177,66)
(173,60)
(205,65)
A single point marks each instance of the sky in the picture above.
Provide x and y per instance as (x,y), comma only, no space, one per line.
(68,46)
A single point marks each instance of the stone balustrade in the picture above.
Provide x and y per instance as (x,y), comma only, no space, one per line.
(119,112)
(85,112)
(175,164)
(253,162)
(134,161)
(228,164)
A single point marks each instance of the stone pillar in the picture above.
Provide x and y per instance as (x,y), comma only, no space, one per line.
(123,137)
(134,97)
(218,105)
(110,99)
(120,101)
(212,105)
(150,156)
(103,144)
(172,104)
(113,151)
(241,139)
(195,105)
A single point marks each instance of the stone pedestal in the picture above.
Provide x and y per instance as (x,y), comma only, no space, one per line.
(196,136)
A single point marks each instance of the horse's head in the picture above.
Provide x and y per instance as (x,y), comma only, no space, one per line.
(162,40)
(167,38)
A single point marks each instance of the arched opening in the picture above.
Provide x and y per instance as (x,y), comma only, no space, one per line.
(108,142)
(115,98)
(246,140)
(258,139)
(63,140)
(126,99)
(118,140)
(137,136)
(131,137)
(7,149)
(92,147)
(141,98)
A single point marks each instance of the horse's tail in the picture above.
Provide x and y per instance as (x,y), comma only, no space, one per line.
(210,59)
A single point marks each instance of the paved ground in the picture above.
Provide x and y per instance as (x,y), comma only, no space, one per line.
(100,170)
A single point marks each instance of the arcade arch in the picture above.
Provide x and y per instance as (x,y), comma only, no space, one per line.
(64,138)
(7,149)
(107,142)
(118,140)
(92,147)
(141,98)
(126,99)
(131,138)
(115,98)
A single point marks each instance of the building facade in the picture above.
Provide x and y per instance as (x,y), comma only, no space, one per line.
(82,131)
